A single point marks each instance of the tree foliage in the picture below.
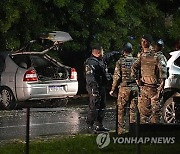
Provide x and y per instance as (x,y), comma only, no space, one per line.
(111,22)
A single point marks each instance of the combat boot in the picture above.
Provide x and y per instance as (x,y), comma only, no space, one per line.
(101,128)
(90,129)
(121,131)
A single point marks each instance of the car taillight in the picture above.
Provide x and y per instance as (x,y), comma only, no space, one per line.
(30,75)
(73,74)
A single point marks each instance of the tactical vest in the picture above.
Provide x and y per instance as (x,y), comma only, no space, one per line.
(100,70)
(126,64)
(149,68)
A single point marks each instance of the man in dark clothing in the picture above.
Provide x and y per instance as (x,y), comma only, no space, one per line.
(96,79)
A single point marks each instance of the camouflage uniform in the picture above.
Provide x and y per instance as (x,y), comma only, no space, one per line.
(96,79)
(127,89)
(152,69)
(161,57)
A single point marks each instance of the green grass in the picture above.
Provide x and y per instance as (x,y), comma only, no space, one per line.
(83,144)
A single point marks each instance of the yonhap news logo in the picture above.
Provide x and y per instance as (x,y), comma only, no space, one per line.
(144,140)
(103,140)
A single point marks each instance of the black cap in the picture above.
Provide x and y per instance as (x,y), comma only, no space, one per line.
(96,46)
(148,37)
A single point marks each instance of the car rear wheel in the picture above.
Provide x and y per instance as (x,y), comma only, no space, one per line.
(168,111)
(7,98)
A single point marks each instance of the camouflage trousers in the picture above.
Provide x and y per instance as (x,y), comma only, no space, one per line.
(127,97)
(149,105)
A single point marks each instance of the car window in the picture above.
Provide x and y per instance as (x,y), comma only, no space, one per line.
(22,60)
(177,62)
(40,61)
(1,63)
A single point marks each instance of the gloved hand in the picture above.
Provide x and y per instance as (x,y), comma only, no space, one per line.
(108,76)
(115,52)
(160,89)
(111,93)
(161,86)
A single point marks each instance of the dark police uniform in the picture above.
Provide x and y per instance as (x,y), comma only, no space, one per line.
(96,79)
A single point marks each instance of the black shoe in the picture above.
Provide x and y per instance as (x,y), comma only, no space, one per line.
(102,128)
(91,130)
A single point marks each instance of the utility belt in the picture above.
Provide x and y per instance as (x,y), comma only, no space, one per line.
(127,83)
(149,85)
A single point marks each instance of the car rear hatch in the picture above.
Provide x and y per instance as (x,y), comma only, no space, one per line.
(44,77)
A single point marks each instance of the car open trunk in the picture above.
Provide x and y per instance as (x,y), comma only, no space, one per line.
(45,67)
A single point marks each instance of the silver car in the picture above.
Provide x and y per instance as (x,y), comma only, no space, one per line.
(172,88)
(33,75)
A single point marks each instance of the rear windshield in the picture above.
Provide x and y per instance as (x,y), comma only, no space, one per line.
(22,61)
(177,62)
(1,63)
(45,68)
(40,61)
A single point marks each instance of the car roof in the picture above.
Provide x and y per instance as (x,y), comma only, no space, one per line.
(5,54)
(174,52)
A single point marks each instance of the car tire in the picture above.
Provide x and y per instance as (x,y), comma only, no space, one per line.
(168,111)
(7,98)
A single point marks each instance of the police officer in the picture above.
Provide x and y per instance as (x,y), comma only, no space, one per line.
(127,86)
(96,79)
(149,70)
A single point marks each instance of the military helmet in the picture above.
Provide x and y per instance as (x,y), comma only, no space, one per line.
(160,43)
(127,47)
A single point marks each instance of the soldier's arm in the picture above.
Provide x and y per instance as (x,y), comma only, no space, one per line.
(90,78)
(110,55)
(117,75)
(135,68)
(162,62)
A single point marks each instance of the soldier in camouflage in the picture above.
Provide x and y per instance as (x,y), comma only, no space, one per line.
(150,71)
(158,47)
(128,90)
(96,79)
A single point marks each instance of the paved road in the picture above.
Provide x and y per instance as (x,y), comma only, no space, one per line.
(49,121)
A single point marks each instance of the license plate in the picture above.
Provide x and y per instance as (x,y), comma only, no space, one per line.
(55,88)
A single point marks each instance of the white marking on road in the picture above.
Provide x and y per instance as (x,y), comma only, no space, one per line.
(31,125)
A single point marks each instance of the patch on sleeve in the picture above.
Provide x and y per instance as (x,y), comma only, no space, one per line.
(163,62)
(88,70)
(116,69)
